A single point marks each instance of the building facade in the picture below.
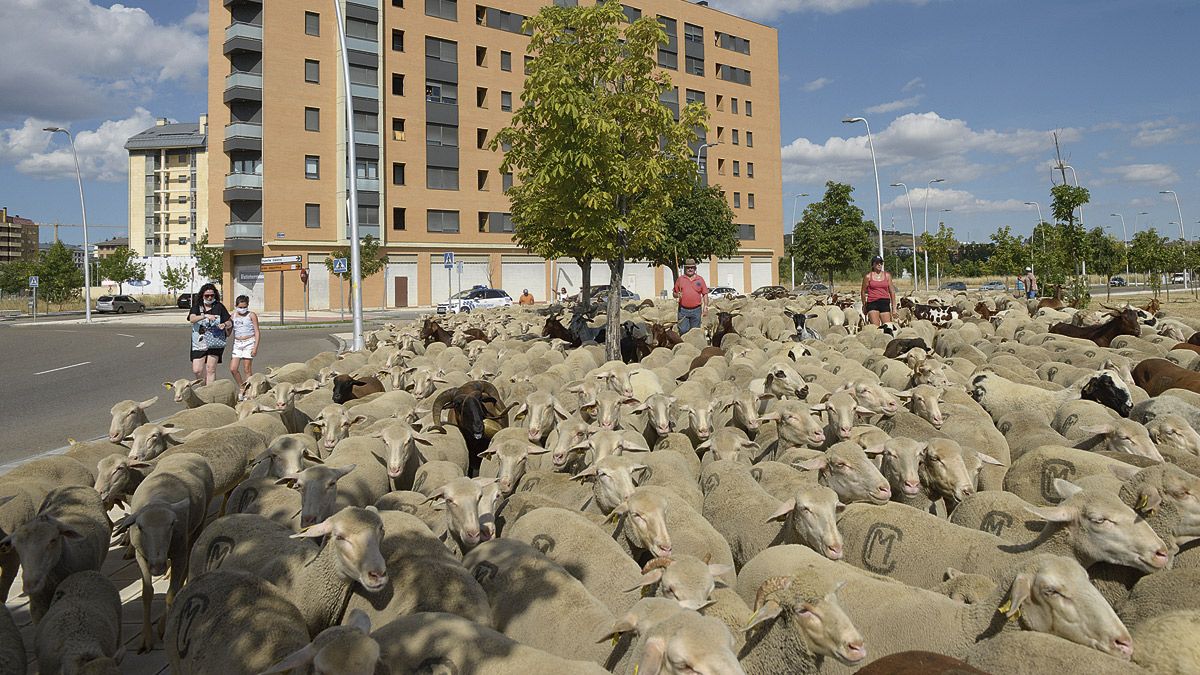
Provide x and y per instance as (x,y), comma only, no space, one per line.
(18,237)
(431,83)
(168,188)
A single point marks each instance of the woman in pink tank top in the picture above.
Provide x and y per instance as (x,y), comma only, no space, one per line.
(878,293)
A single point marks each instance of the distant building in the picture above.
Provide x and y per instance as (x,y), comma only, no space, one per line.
(110,246)
(18,237)
(76,252)
(168,188)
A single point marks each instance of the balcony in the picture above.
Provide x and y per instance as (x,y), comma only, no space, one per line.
(243,236)
(366,137)
(243,87)
(243,136)
(370,91)
(374,4)
(368,184)
(361,45)
(243,37)
(244,180)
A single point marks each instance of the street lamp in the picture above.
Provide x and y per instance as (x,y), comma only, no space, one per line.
(352,190)
(700,151)
(913,223)
(1040,221)
(1125,238)
(1182,234)
(87,272)
(878,195)
(928,189)
(795,197)
(1076,179)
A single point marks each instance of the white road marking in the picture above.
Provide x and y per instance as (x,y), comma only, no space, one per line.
(55,370)
(124,335)
(139,345)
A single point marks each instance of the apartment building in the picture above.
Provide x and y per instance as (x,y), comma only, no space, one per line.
(18,237)
(431,83)
(168,188)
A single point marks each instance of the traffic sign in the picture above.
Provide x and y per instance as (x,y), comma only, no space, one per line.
(340,266)
(448,259)
(281,259)
(460,267)
(33,282)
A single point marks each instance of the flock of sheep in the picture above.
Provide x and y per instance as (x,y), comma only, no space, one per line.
(995,494)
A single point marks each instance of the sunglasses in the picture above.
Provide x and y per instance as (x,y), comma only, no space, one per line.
(209,295)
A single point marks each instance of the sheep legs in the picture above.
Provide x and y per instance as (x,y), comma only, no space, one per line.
(147,599)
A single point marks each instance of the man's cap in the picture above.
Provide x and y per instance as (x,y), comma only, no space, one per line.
(1028,269)
(876,259)
(690,262)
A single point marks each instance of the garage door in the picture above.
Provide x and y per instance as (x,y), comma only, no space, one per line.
(639,278)
(729,273)
(402,266)
(475,272)
(760,272)
(520,273)
(247,280)
(318,282)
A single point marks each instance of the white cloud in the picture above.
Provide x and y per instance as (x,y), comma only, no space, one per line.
(817,84)
(102,154)
(960,201)
(915,83)
(893,106)
(1159,132)
(764,10)
(72,59)
(1160,174)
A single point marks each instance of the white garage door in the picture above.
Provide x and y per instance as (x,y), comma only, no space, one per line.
(729,273)
(760,272)
(475,272)
(247,280)
(402,266)
(639,278)
(318,282)
(519,273)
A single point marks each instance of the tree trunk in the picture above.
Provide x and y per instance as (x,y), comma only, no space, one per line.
(612,342)
(585,279)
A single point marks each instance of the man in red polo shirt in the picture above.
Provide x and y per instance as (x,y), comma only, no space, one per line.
(692,293)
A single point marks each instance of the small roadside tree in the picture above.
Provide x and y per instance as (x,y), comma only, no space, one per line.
(699,225)
(940,244)
(1009,254)
(210,260)
(60,280)
(1108,256)
(1148,254)
(832,235)
(14,275)
(371,261)
(175,279)
(121,266)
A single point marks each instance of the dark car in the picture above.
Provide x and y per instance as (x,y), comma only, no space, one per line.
(770,292)
(599,293)
(184,301)
(1118,281)
(953,286)
(816,288)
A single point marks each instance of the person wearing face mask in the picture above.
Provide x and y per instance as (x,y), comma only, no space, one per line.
(210,321)
(245,340)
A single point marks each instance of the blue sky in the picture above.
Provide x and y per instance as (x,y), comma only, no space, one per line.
(966,90)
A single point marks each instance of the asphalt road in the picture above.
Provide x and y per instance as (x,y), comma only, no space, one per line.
(59,382)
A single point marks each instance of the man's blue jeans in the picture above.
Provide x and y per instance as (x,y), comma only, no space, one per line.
(689,319)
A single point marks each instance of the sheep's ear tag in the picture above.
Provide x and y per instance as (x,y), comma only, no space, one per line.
(645,593)
(1004,609)
(612,517)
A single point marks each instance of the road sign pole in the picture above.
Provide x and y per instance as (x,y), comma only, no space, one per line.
(342,296)
(306,301)
(280,297)
(35,303)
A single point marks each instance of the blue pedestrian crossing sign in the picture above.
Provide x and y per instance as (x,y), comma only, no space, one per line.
(448,260)
(340,266)
(33,282)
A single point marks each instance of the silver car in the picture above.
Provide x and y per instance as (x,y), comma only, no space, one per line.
(119,304)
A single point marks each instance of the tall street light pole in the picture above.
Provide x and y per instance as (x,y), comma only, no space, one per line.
(351,189)
(1182,233)
(1040,221)
(878,194)
(1125,237)
(795,197)
(928,189)
(913,223)
(87,267)
(700,153)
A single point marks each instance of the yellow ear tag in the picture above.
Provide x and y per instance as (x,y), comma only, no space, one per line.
(1142,501)
(635,668)
(1003,609)
(615,640)
(645,591)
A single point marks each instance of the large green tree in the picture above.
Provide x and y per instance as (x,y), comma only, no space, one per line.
(596,156)
(14,275)
(1009,254)
(60,280)
(699,225)
(210,260)
(120,266)
(175,279)
(832,236)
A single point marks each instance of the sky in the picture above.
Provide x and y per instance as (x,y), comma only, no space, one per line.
(965,90)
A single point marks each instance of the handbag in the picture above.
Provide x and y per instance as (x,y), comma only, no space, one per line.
(215,338)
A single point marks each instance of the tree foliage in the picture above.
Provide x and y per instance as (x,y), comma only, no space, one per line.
(699,225)
(121,266)
(832,236)
(1148,253)
(59,279)
(940,244)
(1009,255)
(176,279)
(596,156)
(14,275)
(371,259)
(210,260)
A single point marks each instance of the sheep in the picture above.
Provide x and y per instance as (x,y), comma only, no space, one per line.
(541,412)
(1121,436)
(127,416)
(117,476)
(1031,476)
(999,396)
(368,479)
(1157,594)
(969,589)
(317,579)
(672,471)
(165,513)
(232,622)
(12,649)
(69,533)
(193,394)
(1173,433)
(1167,643)
(288,454)
(310,496)
(461,498)
(798,630)
(151,440)
(914,547)
(796,426)
(228,451)
(285,395)
(746,515)
(333,423)
(844,467)
(346,649)
(612,480)
(690,582)
(82,627)
(1029,653)
(656,520)
(207,416)
(91,453)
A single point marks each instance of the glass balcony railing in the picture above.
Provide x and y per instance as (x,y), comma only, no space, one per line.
(244,180)
(243,231)
(248,80)
(243,130)
(244,30)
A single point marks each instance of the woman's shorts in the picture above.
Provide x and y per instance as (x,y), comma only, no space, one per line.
(215,351)
(243,349)
(880,306)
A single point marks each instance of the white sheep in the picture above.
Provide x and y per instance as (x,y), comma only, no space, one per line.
(193,393)
(82,628)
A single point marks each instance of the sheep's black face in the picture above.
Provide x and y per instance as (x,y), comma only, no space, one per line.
(1110,392)
(978,388)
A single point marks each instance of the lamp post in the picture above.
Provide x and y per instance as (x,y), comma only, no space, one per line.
(87,271)
(1182,234)
(928,189)
(1125,238)
(700,152)
(878,195)
(795,197)
(1040,221)
(351,189)
(913,223)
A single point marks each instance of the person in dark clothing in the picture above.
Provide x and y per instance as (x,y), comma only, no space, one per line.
(210,325)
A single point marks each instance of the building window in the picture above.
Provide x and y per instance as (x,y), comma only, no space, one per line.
(566,3)
(735,137)
(399,218)
(737,200)
(737,168)
(312,71)
(693,33)
(366,168)
(481,97)
(364,75)
(397,173)
(720,166)
(525,66)
(312,215)
(506,61)
(397,128)
(749,109)
(441,221)
(733,43)
(668,59)
(482,180)
(506,181)
(443,9)
(441,92)
(693,96)
(368,215)
(693,65)
(506,101)
(733,106)
(398,3)
(481,138)
(397,40)
(363,30)
(720,103)
(481,56)
(749,139)
(312,119)
(366,121)
(441,50)
(745,232)
(397,84)
(720,134)
(749,169)
(750,200)
(732,74)
(312,23)
(312,167)
(441,177)
(441,134)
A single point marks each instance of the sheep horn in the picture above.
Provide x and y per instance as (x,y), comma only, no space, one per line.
(656,564)
(768,587)
(439,403)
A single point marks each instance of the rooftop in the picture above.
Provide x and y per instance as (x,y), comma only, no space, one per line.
(172,135)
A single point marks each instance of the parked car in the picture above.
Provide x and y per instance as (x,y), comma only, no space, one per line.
(953,286)
(1177,278)
(815,288)
(994,286)
(479,297)
(599,293)
(1118,281)
(119,304)
(722,292)
(184,301)
(770,292)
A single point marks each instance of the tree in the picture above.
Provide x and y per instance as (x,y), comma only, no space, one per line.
(1108,255)
(832,235)
(14,275)
(1148,254)
(176,279)
(371,259)
(210,260)
(940,244)
(121,266)
(60,280)
(597,157)
(699,225)
(1009,255)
